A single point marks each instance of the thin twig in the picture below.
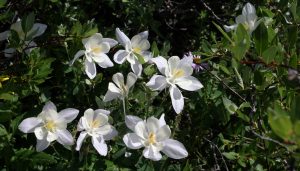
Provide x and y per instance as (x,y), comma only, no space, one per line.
(212,12)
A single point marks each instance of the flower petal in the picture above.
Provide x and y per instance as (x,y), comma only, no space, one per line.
(177,99)
(230,28)
(90,69)
(51,136)
(40,133)
(41,144)
(64,137)
(121,37)
(102,111)
(28,125)
(8,53)
(161,64)
(110,41)
(111,96)
(173,62)
(131,79)
(4,35)
(141,130)
(99,145)
(137,68)
(105,61)
(111,135)
(163,133)
(76,56)
(144,44)
(118,79)
(80,139)
(174,149)
(132,141)
(103,130)
(49,106)
(38,28)
(131,121)
(120,56)
(152,124)
(248,9)
(157,82)
(189,83)
(162,121)
(152,153)
(69,114)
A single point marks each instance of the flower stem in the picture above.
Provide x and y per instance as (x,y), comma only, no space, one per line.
(124,107)
(176,124)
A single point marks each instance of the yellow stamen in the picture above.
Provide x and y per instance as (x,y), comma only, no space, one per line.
(177,73)
(96,49)
(197,60)
(95,123)
(152,138)
(137,50)
(50,125)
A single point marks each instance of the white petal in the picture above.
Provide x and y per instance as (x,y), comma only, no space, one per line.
(111,96)
(177,99)
(157,82)
(151,153)
(69,114)
(132,141)
(144,44)
(110,41)
(111,135)
(135,40)
(49,106)
(162,121)
(28,125)
(144,34)
(104,47)
(38,28)
(102,111)
(174,149)
(141,130)
(173,62)
(189,83)
(120,56)
(121,37)
(90,69)
(4,35)
(113,88)
(161,64)
(40,133)
(186,67)
(152,124)
(41,144)
(131,79)
(248,9)
(8,53)
(163,133)
(230,28)
(77,55)
(137,68)
(240,19)
(80,139)
(131,121)
(100,146)
(103,130)
(105,62)
(64,137)
(51,136)
(118,78)
(80,125)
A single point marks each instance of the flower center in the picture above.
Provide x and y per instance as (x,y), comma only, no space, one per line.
(50,125)
(96,49)
(197,60)
(177,73)
(152,138)
(137,50)
(124,90)
(95,123)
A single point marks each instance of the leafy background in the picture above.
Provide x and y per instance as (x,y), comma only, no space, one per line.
(245,118)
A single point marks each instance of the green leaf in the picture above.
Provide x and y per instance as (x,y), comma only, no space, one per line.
(292,35)
(241,43)
(9,97)
(2,3)
(223,32)
(269,54)
(140,58)
(229,105)
(231,155)
(280,122)
(239,78)
(27,22)
(154,49)
(261,38)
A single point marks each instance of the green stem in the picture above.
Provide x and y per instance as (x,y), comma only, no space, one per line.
(176,124)
(124,106)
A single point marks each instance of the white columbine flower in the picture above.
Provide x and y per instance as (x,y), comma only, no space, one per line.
(138,45)
(248,19)
(96,48)
(154,135)
(49,126)
(95,124)
(175,72)
(118,89)
(36,30)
